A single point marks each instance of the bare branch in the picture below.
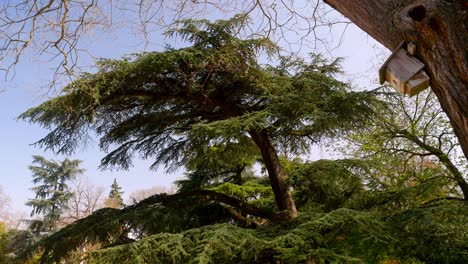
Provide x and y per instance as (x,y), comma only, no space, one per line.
(57,30)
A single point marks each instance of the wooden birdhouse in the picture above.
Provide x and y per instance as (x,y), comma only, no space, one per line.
(404,72)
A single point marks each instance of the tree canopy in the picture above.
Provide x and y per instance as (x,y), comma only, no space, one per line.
(167,104)
(59,30)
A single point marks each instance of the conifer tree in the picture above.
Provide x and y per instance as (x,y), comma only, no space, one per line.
(115,199)
(51,188)
(165,105)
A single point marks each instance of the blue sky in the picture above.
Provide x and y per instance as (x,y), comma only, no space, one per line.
(24,91)
(28,88)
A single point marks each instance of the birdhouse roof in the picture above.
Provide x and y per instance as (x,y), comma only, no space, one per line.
(401,65)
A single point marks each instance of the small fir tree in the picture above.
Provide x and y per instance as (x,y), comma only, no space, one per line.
(115,199)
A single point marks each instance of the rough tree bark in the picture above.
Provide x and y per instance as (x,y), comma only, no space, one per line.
(440,31)
(276,173)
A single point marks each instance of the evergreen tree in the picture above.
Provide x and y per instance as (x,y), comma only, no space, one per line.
(167,104)
(52,192)
(115,199)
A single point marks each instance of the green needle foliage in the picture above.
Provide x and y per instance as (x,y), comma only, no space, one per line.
(336,224)
(326,183)
(219,163)
(115,199)
(166,105)
(422,235)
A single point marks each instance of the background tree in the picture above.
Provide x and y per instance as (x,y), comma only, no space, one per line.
(52,191)
(142,194)
(412,138)
(3,231)
(115,200)
(86,199)
(4,206)
(165,104)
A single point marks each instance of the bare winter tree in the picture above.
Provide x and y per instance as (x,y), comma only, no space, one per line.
(4,206)
(141,194)
(59,31)
(87,198)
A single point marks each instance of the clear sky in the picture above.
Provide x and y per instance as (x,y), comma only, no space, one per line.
(24,91)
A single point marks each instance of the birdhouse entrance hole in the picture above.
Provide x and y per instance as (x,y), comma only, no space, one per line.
(417,13)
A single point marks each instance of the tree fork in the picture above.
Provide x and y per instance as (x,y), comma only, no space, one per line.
(439,29)
(276,173)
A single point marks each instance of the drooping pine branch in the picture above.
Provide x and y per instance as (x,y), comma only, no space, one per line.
(158,213)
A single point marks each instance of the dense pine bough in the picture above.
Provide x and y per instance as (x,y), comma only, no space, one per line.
(341,236)
(350,225)
(339,220)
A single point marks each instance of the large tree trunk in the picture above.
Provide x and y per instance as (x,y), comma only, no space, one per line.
(440,31)
(276,173)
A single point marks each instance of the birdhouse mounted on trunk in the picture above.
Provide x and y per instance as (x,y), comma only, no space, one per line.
(404,72)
